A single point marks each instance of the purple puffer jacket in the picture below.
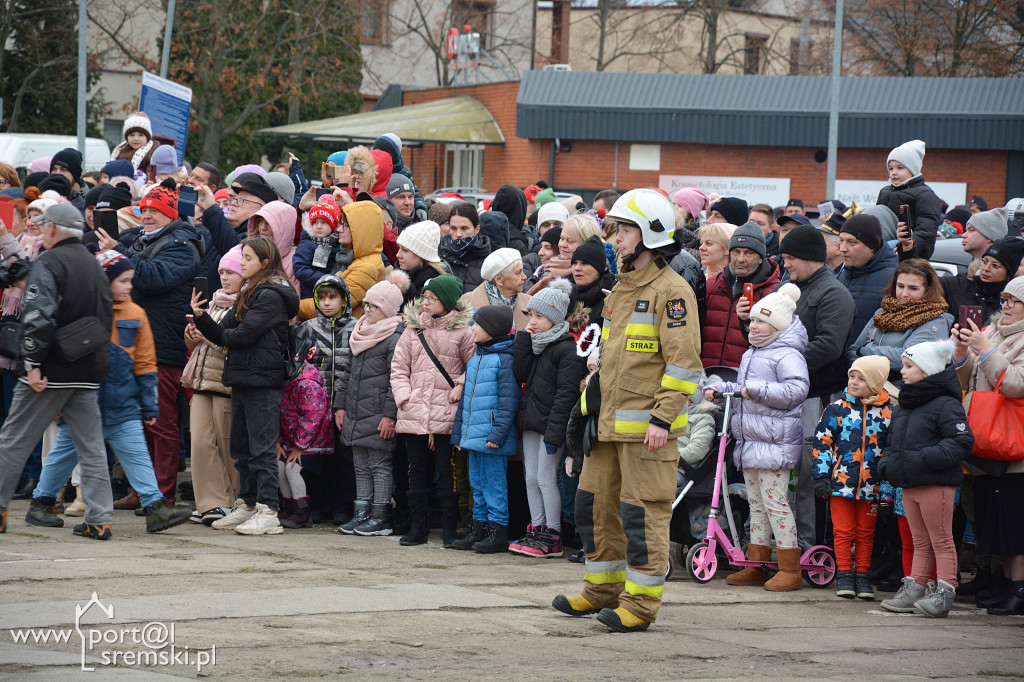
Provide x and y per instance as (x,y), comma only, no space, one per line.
(768,431)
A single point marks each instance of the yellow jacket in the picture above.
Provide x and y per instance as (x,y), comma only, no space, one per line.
(650,353)
(366,269)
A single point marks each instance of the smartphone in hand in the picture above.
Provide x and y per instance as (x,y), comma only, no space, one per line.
(202,286)
(971,312)
(107,221)
(748,293)
(324,191)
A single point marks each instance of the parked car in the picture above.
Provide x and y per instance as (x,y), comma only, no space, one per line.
(19,149)
(949,257)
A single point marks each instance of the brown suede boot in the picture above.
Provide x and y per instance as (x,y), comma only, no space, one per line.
(752,575)
(789,577)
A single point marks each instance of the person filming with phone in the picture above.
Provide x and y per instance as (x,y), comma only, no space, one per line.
(165,253)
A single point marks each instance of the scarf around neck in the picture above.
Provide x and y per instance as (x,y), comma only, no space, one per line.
(899,317)
(222,300)
(762,340)
(544,339)
(463,244)
(495,297)
(324,246)
(366,335)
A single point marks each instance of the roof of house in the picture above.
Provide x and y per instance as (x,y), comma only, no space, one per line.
(950,113)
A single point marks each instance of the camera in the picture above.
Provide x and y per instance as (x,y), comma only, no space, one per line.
(14,271)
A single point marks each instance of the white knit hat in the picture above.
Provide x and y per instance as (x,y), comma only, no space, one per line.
(422,239)
(1015,288)
(498,261)
(910,155)
(137,121)
(777,308)
(552,211)
(932,356)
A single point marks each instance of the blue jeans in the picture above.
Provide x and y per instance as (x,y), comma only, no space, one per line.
(128,442)
(487,475)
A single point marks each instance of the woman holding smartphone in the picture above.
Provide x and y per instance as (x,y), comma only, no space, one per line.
(255,332)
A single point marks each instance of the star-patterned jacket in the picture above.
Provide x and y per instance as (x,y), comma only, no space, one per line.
(850,439)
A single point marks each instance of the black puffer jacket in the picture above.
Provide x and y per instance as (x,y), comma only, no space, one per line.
(925,207)
(257,344)
(369,395)
(929,435)
(467,267)
(552,386)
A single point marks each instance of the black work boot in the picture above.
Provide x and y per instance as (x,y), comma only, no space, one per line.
(496,540)
(161,517)
(42,513)
(477,532)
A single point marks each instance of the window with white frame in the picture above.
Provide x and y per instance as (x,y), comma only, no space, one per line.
(464,165)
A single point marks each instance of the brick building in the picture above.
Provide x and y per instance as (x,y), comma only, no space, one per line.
(587,131)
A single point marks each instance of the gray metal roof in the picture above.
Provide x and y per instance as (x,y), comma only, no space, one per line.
(949,113)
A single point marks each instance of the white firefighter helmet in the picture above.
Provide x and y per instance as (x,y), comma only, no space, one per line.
(651,212)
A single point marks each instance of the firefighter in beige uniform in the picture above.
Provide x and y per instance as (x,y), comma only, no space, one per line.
(650,365)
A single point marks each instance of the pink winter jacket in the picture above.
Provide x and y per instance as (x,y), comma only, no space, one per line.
(307,423)
(421,392)
(281,217)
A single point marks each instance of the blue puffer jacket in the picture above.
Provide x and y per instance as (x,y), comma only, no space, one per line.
(490,401)
(767,428)
(129,391)
(302,265)
(165,268)
(866,285)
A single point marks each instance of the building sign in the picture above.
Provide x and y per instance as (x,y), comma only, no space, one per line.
(771,191)
(865,192)
(167,104)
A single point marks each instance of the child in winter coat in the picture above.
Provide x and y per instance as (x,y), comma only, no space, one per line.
(127,398)
(773,381)
(547,363)
(907,186)
(485,427)
(138,145)
(317,252)
(358,260)
(306,431)
(848,444)
(368,426)
(928,439)
(333,489)
(427,400)
(214,476)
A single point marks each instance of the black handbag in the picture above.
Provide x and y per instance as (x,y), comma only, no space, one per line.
(84,336)
(10,338)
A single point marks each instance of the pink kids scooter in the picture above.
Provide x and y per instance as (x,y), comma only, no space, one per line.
(818,563)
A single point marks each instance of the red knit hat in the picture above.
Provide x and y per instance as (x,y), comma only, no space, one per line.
(163,200)
(326,210)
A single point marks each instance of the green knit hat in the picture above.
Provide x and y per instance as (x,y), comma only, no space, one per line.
(544,197)
(447,288)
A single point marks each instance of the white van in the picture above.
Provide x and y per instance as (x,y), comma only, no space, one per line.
(19,149)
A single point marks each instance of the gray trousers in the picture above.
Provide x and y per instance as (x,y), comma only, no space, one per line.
(31,413)
(804,507)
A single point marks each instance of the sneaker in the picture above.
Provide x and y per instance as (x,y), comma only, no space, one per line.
(939,602)
(161,517)
(263,521)
(76,508)
(215,514)
(845,585)
(547,543)
(87,530)
(239,514)
(578,557)
(522,542)
(40,514)
(864,589)
(195,517)
(905,599)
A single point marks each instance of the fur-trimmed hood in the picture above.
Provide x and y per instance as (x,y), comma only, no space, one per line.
(459,317)
(369,173)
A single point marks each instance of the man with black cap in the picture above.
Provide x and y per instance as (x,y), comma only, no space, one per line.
(722,332)
(91,197)
(250,196)
(787,223)
(68,162)
(868,263)
(794,206)
(402,194)
(827,310)
(65,286)
(731,210)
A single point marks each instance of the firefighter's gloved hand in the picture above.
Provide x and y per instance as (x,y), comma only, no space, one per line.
(823,488)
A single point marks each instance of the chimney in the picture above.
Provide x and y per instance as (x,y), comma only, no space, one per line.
(560,15)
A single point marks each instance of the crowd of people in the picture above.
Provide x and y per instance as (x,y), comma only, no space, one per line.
(527,374)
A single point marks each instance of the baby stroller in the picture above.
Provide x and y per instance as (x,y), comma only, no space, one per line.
(818,562)
(695,480)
